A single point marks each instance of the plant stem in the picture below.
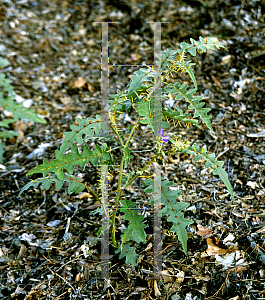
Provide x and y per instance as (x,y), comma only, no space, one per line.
(94,194)
(140,174)
(115,130)
(119,188)
(146,166)
(112,226)
(134,127)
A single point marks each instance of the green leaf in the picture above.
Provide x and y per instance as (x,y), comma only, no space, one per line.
(8,134)
(6,84)
(178,115)
(201,44)
(186,65)
(127,155)
(120,103)
(195,103)
(4,62)
(18,110)
(8,103)
(75,185)
(136,221)
(171,208)
(6,122)
(128,252)
(179,222)
(140,91)
(126,177)
(68,162)
(85,129)
(142,75)
(2,152)
(167,56)
(146,110)
(212,162)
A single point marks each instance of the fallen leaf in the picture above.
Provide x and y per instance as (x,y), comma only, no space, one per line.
(238,269)
(157,292)
(93,206)
(149,247)
(226,261)
(85,195)
(204,231)
(252,184)
(215,80)
(78,83)
(213,250)
(167,276)
(181,276)
(229,238)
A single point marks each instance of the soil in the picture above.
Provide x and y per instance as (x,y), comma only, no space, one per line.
(48,241)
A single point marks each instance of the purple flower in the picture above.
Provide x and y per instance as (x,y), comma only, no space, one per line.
(164,137)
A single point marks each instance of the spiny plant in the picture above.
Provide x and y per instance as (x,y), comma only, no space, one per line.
(8,103)
(138,96)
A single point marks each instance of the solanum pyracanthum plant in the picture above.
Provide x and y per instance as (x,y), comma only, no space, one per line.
(138,96)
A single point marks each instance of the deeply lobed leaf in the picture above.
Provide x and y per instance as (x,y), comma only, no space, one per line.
(146,110)
(75,185)
(86,128)
(172,208)
(129,252)
(212,162)
(201,44)
(68,162)
(136,220)
(195,103)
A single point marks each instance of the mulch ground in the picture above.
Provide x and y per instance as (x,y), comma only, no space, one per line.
(48,240)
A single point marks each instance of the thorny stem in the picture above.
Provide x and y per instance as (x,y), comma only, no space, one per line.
(119,188)
(115,130)
(142,171)
(94,194)
(132,131)
(112,226)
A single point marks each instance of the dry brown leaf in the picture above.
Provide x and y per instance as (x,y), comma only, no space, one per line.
(93,206)
(212,249)
(20,126)
(149,247)
(157,292)
(77,117)
(78,83)
(239,269)
(167,276)
(253,184)
(90,87)
(204,231)
(85,195)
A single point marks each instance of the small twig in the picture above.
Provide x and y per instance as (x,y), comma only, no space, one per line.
(67,263)
(220,154)
(63,280)
(21,252)
(60,295)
